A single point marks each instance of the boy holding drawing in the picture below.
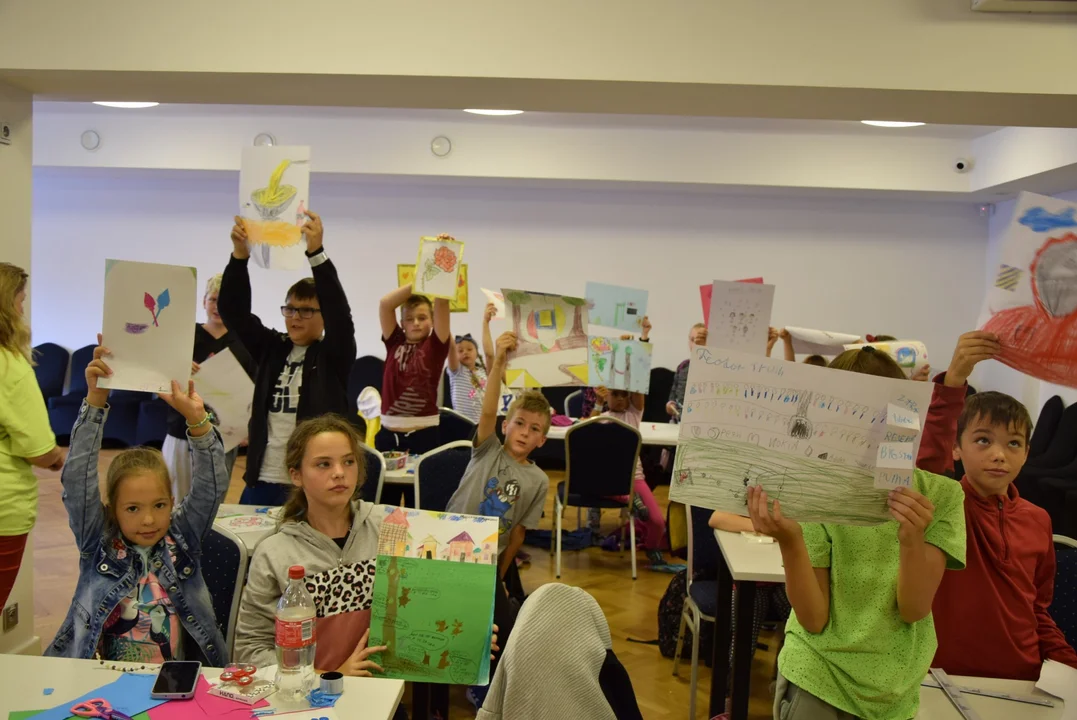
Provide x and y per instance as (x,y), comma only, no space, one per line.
(302,373)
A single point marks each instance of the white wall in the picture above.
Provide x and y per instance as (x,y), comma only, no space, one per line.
(907,269)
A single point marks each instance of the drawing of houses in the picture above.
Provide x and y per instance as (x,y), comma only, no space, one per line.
(393,538)
(489,549)
(428,548)
(461,548)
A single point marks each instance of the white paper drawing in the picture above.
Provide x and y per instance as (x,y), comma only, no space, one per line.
(808,435)
(226,388)
(438,268)
(498,300)
(613,310)
(911,355)
(148,325)
(552,342)
(274,196)
(819,342)
(740,316)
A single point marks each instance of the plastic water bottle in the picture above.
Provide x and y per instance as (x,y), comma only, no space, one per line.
(296,638)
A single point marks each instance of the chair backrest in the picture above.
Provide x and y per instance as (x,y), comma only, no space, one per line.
(1046,426)
(600,458)
(574,404)
(366,371)
(438,474)
(1063,608)
(51,369)
(1063,446)
(375,474)
(654,408)
(79,360)
(556,395)
(452,426)
(224,570)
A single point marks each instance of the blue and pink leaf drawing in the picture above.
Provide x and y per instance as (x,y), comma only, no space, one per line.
(155,307)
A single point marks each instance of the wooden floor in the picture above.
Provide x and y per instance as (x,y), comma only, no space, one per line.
(630,607)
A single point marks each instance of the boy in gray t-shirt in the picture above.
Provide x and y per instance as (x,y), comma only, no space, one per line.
(500,481)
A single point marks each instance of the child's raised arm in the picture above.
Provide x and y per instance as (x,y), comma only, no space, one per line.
(487,338)
(492,399)
(336,312)
(442,326)
(234,298)
(387,309)
(454,360)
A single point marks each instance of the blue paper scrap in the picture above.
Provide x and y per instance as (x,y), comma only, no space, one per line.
(128,694)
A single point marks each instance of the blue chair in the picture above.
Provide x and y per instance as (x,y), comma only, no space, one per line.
(375,474)
(1063,608)
(224,570)
(453,426)
(366,371)
(1046,426)
(51,369)
(654,408)
(574,404)
(600,462)
(152,424)
(700,602)
(438,474)
(64,409)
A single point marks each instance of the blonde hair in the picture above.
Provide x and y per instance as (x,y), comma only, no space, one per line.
(132,462)
(869,361)
(213,285)
(295,509)
(14,332)
(531,401)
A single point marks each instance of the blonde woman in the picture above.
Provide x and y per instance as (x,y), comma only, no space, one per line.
(26,440)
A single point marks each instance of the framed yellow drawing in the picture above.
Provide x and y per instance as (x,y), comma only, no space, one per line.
(405,274)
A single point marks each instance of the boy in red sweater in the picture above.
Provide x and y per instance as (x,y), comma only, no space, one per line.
(991,619)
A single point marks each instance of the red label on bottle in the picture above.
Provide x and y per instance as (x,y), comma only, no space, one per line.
(295,635)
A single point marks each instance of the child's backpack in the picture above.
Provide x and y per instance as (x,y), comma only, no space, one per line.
(669,623)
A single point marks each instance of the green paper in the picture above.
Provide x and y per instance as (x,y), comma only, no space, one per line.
(435,616)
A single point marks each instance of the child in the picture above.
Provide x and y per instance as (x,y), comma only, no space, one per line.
(210,338)
(414,356)
(861,636)
(696,336)
(140,595)
(300,375)
(330,532)
(992,619)
(508,395)
(467,377)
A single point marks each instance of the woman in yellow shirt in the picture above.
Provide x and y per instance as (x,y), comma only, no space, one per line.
(26,440)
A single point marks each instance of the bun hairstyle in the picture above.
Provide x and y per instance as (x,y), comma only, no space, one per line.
(869,361)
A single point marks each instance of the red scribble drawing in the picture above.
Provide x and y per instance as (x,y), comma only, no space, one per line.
(1041,339)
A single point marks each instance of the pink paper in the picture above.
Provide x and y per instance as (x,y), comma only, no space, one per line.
(706,292)
(204,705)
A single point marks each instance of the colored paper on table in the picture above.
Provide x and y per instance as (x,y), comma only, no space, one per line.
(498,300)
(740,316)
(551,340)
(274,196)
(204,705)
(619,364)
(437,270)
(807,435)
(819,342)
(129,694)
(228,391)
(433,600)
(247,523)
(405,275)
(25,714)
(705,292)
(612,307)
(148,325)
(911,355)
(1032,303)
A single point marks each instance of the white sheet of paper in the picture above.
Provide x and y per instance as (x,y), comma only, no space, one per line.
(740,316)
(226,388)
(1061,681)
(911,355)
(148,325)
(902,419)
(273,202)
(437,269)
(498,300)
(808,435)
(552,342)
(819,342)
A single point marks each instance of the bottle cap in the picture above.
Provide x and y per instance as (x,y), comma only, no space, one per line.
(296,572)
(332,683)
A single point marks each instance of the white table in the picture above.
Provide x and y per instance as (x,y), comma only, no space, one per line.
(747,562)
(235,518)
(405,475)
(934,705)
(25,678)
(650,433)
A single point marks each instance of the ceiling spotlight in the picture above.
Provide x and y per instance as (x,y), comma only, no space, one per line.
(891,123)
(125,105)
(494,112)
(264,140)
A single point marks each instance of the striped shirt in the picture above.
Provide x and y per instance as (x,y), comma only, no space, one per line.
(468,388)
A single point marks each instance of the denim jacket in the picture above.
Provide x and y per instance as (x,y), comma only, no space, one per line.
(109,569)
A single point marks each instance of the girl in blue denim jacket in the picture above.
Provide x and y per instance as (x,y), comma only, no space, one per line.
(140,594)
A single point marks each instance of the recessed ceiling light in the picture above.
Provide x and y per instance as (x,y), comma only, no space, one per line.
(891,123)
(494,112)
(126,105)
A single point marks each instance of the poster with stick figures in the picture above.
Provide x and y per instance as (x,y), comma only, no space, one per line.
(740,316)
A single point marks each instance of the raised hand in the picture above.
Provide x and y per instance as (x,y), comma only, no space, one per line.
(358,663)
(771,522)
(914,514)
(239,239)
(972,347)
(489,313)
(195,367)
(645,326)
(923,374)
(314,232)
(506,343)
(189,405)
(98,396)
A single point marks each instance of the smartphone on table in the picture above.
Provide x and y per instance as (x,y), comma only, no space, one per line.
(176,680)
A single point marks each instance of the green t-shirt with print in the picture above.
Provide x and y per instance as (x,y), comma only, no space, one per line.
(867,661)
(24,432)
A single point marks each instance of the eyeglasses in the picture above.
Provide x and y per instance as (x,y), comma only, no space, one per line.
(305,313)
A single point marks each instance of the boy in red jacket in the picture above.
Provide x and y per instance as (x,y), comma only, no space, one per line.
(991,619)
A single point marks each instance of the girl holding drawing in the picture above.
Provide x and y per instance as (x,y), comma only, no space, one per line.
(210,338)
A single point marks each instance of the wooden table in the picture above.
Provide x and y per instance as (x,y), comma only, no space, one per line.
(25,679)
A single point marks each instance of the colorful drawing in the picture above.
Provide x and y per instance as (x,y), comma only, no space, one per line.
(248,523)
(226,389)
(434,598)
(438,267)
(706,291)
(911,355)
(611,307)
(148,353)
(619,364)
(740,316)
(1036,317)
(405,275)
(551,339)
(274,193)
(819,342)
(809,436)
